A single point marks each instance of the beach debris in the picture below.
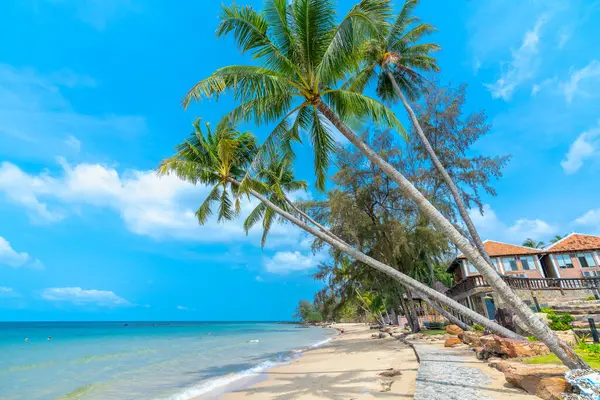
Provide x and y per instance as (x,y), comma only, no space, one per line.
(386,385)
(390,373)
(585,383)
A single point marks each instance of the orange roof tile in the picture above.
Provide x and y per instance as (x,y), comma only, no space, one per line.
(575,242)
(495,249)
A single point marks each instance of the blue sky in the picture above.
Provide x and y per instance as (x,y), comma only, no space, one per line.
(89,104)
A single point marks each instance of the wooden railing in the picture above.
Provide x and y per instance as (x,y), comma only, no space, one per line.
(467,284)
(473,282)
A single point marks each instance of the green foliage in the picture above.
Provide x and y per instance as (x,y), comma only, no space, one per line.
(300,57)
(306,312)
(547,310)
(581,339)
(589,348)
(533,244)
(591,359)
(590,298)
(478,328)
(432,332)
(560,322)
(532,339)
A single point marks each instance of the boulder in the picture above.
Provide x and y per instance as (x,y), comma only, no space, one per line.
(552,388)
(545,381)
(374,336)
(453,329)
(383,335)
(512,348)
(452,342)
(388,329)
(471,338)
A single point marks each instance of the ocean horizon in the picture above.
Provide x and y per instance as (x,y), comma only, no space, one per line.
(162,360)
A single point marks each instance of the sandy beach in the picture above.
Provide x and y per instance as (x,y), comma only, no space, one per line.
(345,368)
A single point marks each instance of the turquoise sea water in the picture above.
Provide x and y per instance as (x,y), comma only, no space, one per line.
(140,360)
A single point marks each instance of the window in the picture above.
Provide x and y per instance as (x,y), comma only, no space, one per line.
(591,273)
(564,261)
(586,260)
(528,263)
(471,267)
(510,264)
(520,275)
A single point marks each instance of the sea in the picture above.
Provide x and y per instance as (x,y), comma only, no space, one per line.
(143,360)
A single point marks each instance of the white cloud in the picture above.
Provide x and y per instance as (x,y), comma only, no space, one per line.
(158,207)
(82,297)
(284,262)
(8,292)
(491,227)
(586,146)
(590,219)
(14,259)
(523,66)
(36,115)
(183,308)
(258,278)
(582,82)
(73,143)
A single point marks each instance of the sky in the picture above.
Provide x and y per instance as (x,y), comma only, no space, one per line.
(90,96)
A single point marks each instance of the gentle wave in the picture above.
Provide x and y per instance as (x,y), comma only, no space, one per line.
(215,384)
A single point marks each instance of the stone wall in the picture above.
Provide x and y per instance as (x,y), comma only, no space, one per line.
(547,296)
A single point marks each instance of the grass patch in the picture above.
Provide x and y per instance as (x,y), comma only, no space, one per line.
(431,332)
(592,360)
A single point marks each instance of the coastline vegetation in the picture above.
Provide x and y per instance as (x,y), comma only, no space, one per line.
(397,209)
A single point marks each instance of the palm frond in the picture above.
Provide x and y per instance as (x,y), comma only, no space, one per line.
(350,105)
(205,209)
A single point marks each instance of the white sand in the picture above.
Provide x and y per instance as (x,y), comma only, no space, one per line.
(346,368)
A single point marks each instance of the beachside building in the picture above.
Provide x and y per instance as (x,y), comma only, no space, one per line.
(566,270)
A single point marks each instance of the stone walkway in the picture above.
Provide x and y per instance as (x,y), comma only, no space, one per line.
(452,374)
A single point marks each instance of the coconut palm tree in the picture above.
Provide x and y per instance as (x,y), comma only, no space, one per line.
(529,242)
(303,55)
(396,60)
(219,159)
(556,238)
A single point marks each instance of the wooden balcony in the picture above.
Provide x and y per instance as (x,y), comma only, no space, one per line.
(473,282)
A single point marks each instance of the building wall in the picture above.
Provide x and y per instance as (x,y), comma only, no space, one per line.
(577,270)
(497,261)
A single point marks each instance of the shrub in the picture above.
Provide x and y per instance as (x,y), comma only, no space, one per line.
(478,328)
(591,298)
(560,322)
(532,339)
(548,311)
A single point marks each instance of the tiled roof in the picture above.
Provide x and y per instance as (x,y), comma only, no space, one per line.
(575,242)
(495,249)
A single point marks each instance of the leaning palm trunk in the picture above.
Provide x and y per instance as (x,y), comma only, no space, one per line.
(532,323)
(386,269)
(311,220)
(462,209)
(413,312)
